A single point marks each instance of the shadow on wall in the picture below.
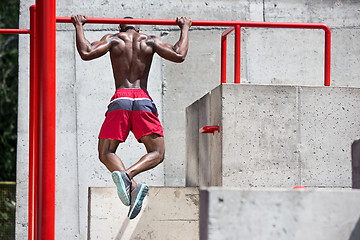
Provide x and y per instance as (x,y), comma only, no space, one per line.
(355,234)
(355,162)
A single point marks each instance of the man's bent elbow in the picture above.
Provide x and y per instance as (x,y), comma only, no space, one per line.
(85,57)
(180,59)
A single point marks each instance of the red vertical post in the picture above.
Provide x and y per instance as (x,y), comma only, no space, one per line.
(45,200)
(32,123)
(223,58)
(237,54)
(327,57)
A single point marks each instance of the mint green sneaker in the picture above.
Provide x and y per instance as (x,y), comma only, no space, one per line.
(137,196)
(123,184)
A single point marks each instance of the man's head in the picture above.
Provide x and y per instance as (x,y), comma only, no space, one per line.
(125,27)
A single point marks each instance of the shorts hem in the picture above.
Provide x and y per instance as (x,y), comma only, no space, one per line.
(112,138)
(149,133)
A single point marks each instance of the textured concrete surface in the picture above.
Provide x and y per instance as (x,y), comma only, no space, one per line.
(268,57)
(168,213)
(275,136)
(228,213)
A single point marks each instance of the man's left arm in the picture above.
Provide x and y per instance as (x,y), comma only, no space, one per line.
(87,50)
(178,51)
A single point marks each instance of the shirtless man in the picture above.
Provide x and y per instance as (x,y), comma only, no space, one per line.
(131,107)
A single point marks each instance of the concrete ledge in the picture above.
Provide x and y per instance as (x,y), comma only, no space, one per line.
(273,136)
(279,214)
(168,213)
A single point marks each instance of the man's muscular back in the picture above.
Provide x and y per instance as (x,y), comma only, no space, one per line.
(131,52)
(131,56)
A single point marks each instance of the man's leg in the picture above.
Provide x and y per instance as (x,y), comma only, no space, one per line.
(107,149)
(155,147)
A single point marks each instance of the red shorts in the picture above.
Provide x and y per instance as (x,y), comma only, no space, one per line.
(130,109)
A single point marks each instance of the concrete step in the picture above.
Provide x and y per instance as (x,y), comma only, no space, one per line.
(168,213)
(272,136)
(281,214)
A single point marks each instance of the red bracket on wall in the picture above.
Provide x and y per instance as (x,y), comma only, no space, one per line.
(210,129)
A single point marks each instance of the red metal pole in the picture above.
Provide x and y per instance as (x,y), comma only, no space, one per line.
(14,31)
(223,58)
(327,57)
(32,123)
(223,52)
(199,23)
(237,54)
(45,200)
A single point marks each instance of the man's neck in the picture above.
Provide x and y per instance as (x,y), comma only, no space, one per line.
(129,28)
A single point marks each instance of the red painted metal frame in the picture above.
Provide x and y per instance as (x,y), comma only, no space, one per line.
(32,121)
(234,25)
(46,70)
(14,31)
(33,124)
(271,25)
(223,52)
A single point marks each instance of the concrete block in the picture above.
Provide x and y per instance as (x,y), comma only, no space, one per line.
(259,136)
(329,125)
(192,149)
(277,136)
(168,213)
(210,147)
(229,213)
(355,157)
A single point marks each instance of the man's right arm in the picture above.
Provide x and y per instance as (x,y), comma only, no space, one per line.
(87,50)
(178,51)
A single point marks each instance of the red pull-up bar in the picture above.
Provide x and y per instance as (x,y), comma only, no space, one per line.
(204,23)
(234,25)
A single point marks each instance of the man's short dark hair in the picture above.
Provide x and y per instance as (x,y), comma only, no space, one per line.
(127,18)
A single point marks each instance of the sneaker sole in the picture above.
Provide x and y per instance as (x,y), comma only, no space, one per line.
(139,201)
(121,190)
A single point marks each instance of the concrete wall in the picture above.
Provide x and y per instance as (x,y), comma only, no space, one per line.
(228,213)
(273,136)
(84,89)
(167,213)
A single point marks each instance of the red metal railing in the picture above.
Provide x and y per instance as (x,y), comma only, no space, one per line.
(234,25)
(42,97)
(33,123)
(270,25)
(14,31)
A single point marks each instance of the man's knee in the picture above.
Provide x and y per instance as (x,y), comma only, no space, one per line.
(102,157)
(160,156)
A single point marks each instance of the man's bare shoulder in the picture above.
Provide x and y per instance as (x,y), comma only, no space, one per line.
(151,39)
